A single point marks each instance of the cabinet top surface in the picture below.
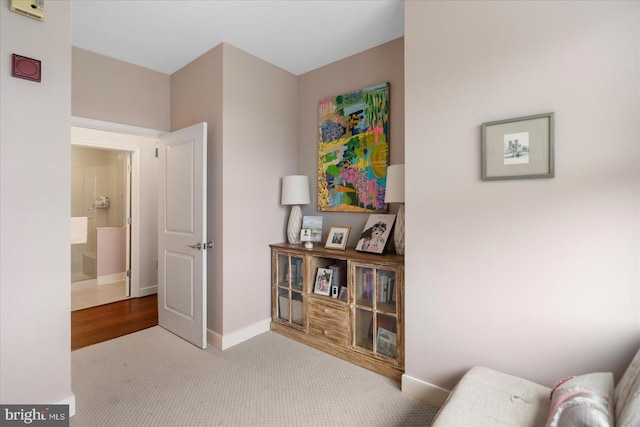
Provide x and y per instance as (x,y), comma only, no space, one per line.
(350,254)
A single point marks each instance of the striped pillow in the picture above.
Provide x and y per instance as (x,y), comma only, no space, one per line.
(581,401)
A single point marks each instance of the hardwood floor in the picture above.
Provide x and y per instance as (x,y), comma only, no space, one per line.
(97,324)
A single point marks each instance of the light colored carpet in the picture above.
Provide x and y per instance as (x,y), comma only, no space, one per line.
(153,378)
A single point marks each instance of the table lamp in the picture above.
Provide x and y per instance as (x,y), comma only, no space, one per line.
(295,192)
(394,193)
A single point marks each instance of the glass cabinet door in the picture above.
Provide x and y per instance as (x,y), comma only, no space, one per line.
(375,311)
(290,286)
(290,272)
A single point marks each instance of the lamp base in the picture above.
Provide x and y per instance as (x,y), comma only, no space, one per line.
(295,225)
(398,234)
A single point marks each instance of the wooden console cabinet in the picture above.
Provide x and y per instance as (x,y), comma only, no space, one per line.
(364,327)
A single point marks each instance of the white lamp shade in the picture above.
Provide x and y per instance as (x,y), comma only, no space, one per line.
(295,190)
(394,192)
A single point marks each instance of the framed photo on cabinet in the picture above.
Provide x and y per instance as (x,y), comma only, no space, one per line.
(386,342)
(337,238)
(375,235)
(323,281)
(343,293)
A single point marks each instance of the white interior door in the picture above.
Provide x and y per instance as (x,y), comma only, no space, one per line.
(182,233)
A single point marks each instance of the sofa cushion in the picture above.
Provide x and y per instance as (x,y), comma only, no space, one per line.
(484,397)
(585,400)
(627,395)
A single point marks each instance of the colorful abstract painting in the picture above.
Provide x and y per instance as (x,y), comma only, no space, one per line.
(354,151)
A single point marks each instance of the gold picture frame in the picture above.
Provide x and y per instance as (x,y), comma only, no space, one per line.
(338,237)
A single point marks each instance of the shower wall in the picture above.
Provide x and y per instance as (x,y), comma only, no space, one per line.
(98,191)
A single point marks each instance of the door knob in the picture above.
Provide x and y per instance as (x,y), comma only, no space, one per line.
(198,246)
(208,245)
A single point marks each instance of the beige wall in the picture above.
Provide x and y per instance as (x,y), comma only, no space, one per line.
(196,96)
(384,63)
(538,278)
(251,146)
(114,91)
(259,147)
(35,178)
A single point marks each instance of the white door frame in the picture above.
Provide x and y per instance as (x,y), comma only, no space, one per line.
(134,148)
(127,225)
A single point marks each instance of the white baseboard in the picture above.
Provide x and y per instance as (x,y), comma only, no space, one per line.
(223,342)
(149,290)
(71,401)
(424,391)
(214,339)
(110,278)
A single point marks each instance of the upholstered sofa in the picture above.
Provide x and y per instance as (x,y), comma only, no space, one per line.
(484,397)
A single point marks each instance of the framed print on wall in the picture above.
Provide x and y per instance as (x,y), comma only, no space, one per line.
(518,148)
(337,238)
(353,152)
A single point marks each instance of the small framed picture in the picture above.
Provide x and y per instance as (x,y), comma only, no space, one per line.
(323,281)
(375,235)
(518,148)
(337,238)
(312,225)
(305,235)
(386,342)
(343,293)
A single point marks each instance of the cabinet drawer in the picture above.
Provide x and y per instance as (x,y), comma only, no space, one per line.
(328,321)
(329,312)
(328,331)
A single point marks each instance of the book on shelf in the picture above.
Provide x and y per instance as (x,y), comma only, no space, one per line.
(293,273)
(339,274)
(386,288)
(366,284)
(298,263)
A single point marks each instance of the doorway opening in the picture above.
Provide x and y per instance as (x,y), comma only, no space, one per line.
(139,145)
(100,204)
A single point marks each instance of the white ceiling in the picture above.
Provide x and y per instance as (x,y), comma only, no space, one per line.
(296,35)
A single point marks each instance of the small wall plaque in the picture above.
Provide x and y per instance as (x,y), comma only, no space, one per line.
(26,68)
